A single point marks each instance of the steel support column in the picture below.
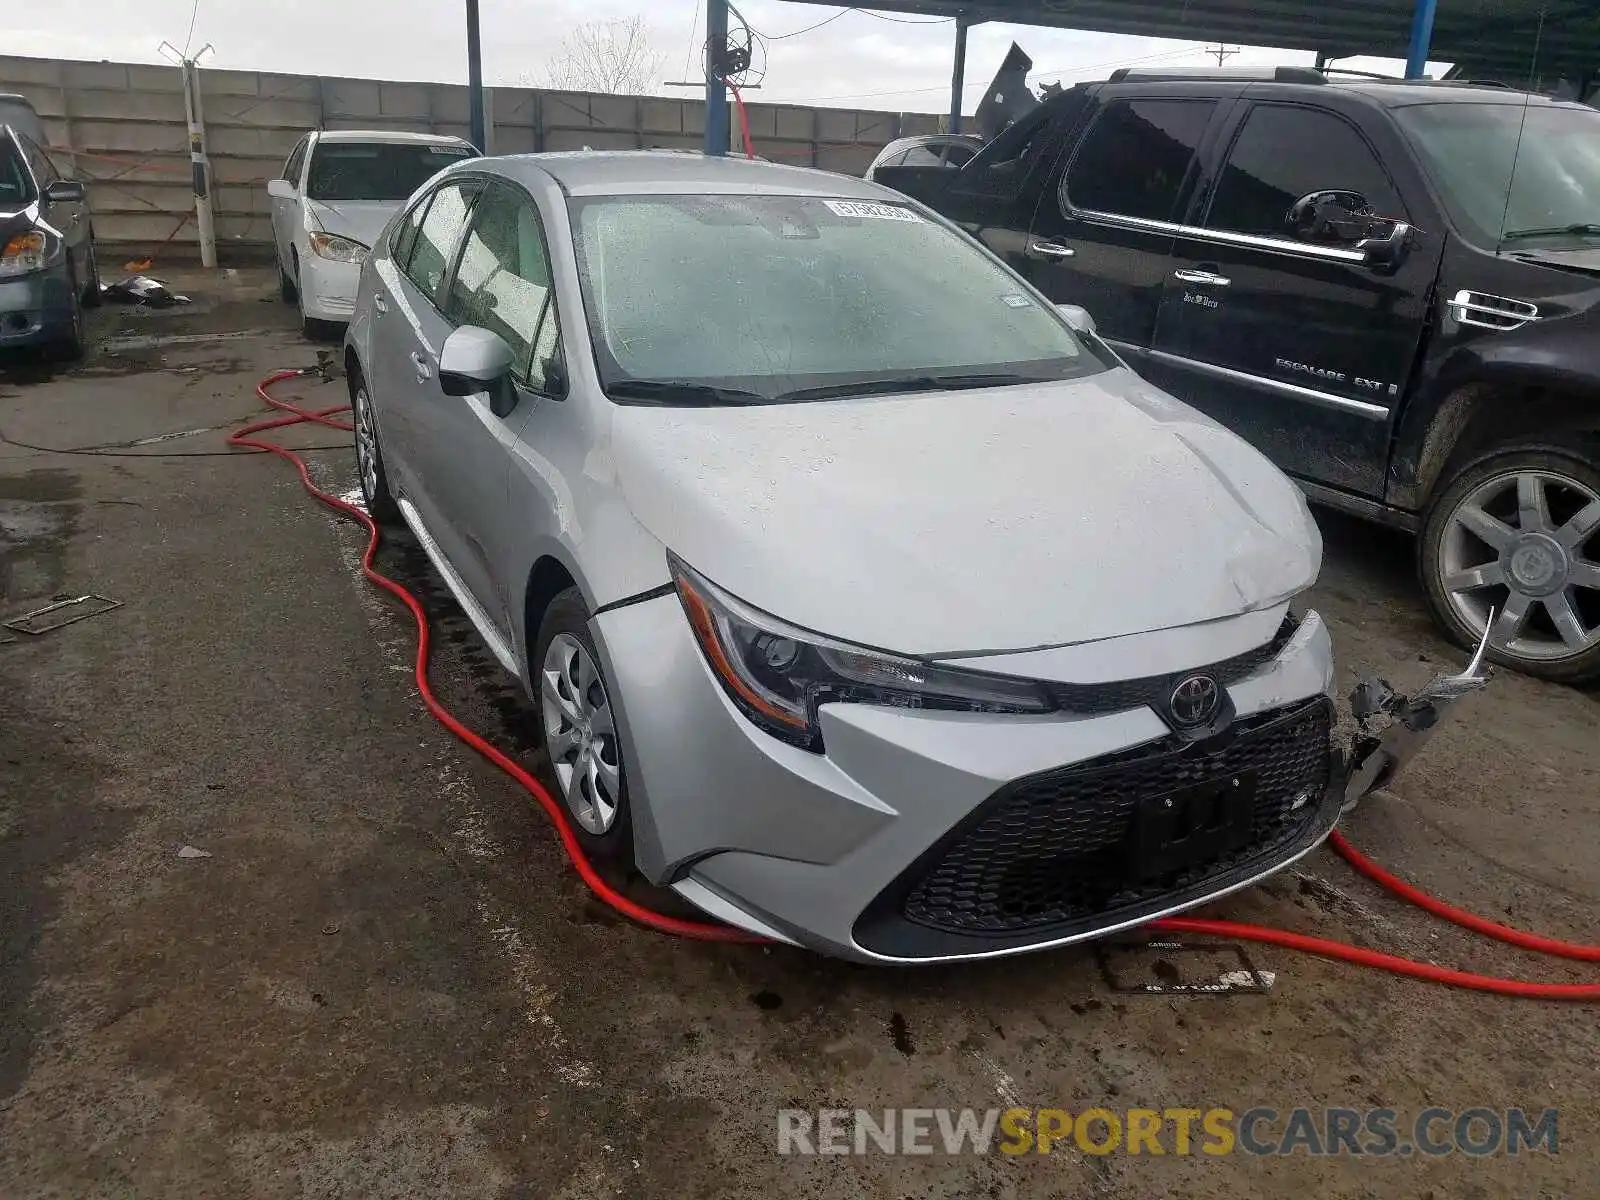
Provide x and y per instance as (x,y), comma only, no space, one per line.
(716,92)
(479,131)
(1421,38)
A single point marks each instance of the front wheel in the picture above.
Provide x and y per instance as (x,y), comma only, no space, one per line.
(1516,535)
(579,728)
(91,287)
(369,456)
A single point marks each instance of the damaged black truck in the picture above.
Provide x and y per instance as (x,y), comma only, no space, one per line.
(1392,288)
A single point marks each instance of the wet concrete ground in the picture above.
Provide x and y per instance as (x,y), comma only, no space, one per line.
(383,981)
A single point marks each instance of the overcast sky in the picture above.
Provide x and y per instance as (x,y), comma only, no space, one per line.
(856,61)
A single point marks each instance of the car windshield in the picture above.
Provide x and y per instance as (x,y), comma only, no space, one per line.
(728,298)
(1498,190)
(377,170)
(15,187)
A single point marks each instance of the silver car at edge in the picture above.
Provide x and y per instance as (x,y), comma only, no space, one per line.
(867,601)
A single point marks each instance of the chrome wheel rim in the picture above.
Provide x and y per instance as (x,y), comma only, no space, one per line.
(581,734)
(1518,545)
(366,446)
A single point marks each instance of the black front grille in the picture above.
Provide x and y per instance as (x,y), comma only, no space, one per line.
(1153,690)
(1055,848)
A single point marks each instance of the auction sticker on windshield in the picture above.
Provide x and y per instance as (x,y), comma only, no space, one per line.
(872,212)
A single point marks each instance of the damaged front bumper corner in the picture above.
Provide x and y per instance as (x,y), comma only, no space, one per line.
(1393,727)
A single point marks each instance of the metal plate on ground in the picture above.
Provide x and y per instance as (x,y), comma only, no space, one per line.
(62,612)
(1166,968)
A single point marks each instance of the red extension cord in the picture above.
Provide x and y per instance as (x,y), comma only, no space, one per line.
(704,931)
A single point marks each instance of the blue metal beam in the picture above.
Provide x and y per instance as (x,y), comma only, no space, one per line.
(1421,38)
(716,92)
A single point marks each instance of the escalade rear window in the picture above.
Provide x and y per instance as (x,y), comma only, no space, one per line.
(1135,157)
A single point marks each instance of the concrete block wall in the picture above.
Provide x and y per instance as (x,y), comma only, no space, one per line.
(120,126)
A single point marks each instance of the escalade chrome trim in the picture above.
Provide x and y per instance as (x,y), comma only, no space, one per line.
(1226,237)
(1361,408)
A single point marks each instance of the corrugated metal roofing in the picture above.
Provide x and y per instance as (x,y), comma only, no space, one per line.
(1487,38)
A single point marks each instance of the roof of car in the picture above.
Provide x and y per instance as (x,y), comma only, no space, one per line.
(1304,81)
(388,135)
(632,172)
(1399,93)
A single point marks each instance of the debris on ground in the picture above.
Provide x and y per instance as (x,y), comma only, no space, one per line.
(65,611)
(191,852)
(142,289)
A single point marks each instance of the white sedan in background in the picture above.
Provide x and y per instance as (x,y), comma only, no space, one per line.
(337,192)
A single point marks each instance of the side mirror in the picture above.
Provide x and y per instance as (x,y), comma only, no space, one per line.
(1330,216)
(281,189)
(1385,251)
(66,191)
(1077,317)
(473,360)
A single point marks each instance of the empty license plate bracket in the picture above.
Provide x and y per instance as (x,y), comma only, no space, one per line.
(1195,825)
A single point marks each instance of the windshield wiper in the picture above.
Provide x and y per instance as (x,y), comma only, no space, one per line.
(681,391)
(909,383)
(1590,228)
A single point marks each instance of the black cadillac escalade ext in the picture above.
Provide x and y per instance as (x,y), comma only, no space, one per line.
(1392,288)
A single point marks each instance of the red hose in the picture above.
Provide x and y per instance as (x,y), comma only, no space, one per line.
(609,895)
(703,931)
(744,122)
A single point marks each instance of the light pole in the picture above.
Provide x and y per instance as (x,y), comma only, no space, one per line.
(199,163)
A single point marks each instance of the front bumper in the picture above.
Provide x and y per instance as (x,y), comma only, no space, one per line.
(824,849)
(36,308)
(328,288)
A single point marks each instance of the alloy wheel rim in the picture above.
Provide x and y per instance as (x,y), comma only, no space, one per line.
(366,447)
(1518,545)
(581,734)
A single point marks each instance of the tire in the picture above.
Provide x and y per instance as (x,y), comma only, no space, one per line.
(287,291)
(381,506)
(596,797)
(91,288)
(1517,529)
(69,347)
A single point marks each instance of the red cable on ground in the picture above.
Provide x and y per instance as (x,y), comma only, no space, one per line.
(245,438)
(1323,947)
(744,122)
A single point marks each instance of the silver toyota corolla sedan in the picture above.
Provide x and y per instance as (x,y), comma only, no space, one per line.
(868,601)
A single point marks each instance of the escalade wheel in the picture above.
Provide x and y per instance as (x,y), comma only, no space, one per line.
(1517,533)
(580,729)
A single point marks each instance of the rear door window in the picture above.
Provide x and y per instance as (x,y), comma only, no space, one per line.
(438,236)
(1285,152)
(1136,156)
(405,233)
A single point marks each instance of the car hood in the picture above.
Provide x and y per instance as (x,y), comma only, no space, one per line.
(985,520)
(360,220)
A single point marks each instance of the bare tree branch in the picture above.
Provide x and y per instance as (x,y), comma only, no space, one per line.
(615,56)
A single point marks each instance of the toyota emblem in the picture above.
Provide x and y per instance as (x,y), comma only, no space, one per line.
(1195,701)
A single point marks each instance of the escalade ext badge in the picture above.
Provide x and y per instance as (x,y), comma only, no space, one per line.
(1379,757)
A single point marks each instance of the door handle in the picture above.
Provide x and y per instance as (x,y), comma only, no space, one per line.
(424,368)
(379,304)
(1205,278)
(1049,251)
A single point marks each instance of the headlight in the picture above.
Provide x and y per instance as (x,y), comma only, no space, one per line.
(23,253)
(778,675)
(326,245)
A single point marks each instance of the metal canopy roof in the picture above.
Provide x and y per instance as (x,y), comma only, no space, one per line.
(1484,38)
